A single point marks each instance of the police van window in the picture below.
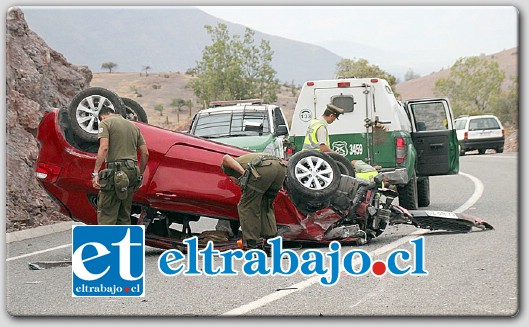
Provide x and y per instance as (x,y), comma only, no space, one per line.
(402,118)
(278,117)
(346,102)
(430,116)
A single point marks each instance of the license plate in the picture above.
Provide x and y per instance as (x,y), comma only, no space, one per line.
(442,214)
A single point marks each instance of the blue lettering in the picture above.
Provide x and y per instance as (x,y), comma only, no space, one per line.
(277,256)
(392,262)
(418,244)
(166,259)
(208,253)
(334,257)
(258,258)
(228,260)
(365,262)
(192,256)
(312,263)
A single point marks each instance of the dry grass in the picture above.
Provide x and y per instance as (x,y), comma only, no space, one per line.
(162,88)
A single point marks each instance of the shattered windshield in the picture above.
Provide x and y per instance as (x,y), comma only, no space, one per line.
(230,123)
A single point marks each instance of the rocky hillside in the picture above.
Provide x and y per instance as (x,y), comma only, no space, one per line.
(37,79)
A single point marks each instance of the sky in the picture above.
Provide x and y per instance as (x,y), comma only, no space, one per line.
(427,38)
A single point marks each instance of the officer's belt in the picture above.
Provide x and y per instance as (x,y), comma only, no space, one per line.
(258,162)
(121,163)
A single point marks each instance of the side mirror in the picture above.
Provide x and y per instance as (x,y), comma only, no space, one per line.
(281,130)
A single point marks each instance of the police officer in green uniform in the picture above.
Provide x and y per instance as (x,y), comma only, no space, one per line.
(317,136)
(119,140)
(260,177)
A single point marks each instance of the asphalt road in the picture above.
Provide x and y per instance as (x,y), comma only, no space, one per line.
(471,274)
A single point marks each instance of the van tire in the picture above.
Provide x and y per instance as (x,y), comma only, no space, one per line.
(91,98)
(461,151)
(302,190)
(345,166)
(408,194)
(499,149)
(423,191)
(134,111)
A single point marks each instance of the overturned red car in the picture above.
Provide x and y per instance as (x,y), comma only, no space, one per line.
(183,182)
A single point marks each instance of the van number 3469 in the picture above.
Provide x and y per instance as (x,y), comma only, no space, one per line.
(356,149)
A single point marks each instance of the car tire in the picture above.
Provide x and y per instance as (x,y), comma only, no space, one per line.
(345,166)
(499,149)
(84,108)
(307,206)
(482,151)
(408,194)
(134,111)
(423,191)
(312,179)
(461,151)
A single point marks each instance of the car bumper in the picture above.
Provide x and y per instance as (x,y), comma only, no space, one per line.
(489,143)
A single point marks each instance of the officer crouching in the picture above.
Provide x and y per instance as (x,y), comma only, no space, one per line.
(260,177)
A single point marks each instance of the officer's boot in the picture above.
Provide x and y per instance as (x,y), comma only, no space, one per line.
(251,244)
(267,247)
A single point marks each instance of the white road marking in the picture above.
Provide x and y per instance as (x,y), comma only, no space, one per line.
(478,191)
(496,157)
(38,252)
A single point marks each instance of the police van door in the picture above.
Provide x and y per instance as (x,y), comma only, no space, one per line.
(434,136)
(348,135)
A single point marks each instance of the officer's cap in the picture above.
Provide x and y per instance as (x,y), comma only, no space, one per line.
(335,110)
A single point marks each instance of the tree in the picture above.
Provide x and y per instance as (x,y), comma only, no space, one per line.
(233,68)
(177,103)
(160,108)
(506,105)
(360,68)
(189,104)
(472,84)
(145,69)
(410,74)
(109,65)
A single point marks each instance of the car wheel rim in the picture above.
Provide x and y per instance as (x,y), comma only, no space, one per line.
(130,114)
(87,112)
(314,173)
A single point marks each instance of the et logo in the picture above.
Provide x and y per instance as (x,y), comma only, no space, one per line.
(108,261)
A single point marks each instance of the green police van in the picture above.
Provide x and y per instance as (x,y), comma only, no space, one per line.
(417,135)
(248,124)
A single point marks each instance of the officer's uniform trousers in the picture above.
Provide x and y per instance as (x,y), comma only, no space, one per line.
(256,213)
(110,209)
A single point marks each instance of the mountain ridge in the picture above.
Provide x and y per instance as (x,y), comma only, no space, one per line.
(177,49)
